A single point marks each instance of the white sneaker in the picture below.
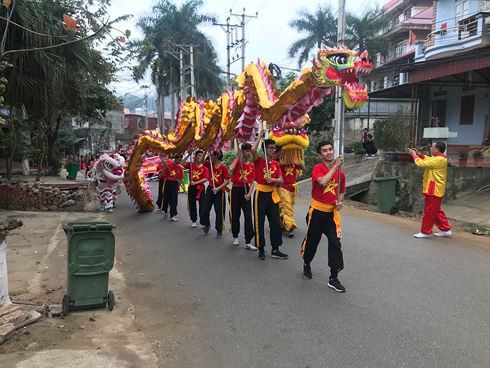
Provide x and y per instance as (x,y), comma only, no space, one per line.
(444,234)
(236,242)
(422,235)
(194,224)
(250,247)
(174,219)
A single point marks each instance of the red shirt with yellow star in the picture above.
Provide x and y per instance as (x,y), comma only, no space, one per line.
(261,170)
(198,173)
(218,175)
(327,194)
(244,173)
(289,175)
(173,172)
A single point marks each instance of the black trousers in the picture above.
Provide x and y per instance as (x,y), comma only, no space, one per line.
(160,194)
(320,223)
(170,196)
(217,200)
(238,203)
(265,206)
(192,202)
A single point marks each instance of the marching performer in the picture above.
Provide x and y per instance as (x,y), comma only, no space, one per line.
(174,176)
(268,177)
(161,180)
(198,174)
(323,216)
(215,193)
(287,192)
(242,177)
(434,187)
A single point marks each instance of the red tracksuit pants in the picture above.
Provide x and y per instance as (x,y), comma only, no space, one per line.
(433,215)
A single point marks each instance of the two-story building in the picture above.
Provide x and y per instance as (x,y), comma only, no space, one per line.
(447,76)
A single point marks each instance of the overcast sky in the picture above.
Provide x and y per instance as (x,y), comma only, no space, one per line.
(268,36)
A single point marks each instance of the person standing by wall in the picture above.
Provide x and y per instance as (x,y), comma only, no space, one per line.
(242,175)
(433,189)
(324,214)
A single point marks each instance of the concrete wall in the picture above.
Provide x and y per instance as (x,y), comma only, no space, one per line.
(409,188)
(472,134)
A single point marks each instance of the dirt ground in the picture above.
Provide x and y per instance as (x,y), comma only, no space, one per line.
(36,257)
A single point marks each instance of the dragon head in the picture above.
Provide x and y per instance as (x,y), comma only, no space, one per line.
(341,67)
(110,167)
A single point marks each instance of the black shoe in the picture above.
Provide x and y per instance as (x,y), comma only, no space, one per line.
(219,235)
(206,229)
(336,285)
(290,234)
(307,272)
(278,254)
(261,253)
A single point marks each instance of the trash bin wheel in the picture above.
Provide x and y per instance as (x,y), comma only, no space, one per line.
(65,305)
(111,300)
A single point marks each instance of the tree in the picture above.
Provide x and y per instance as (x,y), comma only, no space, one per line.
(362,32)
(321,116)
(284,82)
(167,26)
(320,28)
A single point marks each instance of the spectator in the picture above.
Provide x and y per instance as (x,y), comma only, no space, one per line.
(369,146)
(364,137)
(486,142)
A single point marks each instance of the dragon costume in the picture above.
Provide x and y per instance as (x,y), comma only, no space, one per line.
(210,125)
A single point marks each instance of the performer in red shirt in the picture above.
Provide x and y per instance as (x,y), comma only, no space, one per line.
(161,180)
(268,177)
(242,178)
(198,174)
(323,216)
(215,194)
(174,176)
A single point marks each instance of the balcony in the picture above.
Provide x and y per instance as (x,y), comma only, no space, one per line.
(467,34)
(400,50)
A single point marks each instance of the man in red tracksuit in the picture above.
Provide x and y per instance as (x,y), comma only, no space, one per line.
(198,174)
(242,177)
(433,188)
(215,193)
(174,176)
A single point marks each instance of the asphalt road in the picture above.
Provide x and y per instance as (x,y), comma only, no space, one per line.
(204,303)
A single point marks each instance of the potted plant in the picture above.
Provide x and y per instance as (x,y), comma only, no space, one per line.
(477,158)
(463,157)
(357,147)
(392,136)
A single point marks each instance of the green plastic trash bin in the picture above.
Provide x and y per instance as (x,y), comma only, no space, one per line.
(91,247)
(72,169)
(386,193)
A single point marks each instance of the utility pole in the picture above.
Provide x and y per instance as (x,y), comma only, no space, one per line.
(339,102)
(193,79)
(146,105)
(230,42)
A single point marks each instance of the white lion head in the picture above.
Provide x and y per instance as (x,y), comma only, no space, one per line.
(110,167)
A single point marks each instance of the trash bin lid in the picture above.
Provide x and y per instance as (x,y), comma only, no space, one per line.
(77,227)
(386,178)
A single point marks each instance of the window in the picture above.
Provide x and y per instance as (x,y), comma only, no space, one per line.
(462,9)
(467,109)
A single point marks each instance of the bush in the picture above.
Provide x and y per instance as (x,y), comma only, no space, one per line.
(392,133)
(463,155)
(477,154)
(357,147)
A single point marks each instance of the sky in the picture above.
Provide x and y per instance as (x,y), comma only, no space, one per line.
(268,36)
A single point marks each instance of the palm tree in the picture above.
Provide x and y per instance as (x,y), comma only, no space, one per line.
(362,32)
(320,28)
(169,25)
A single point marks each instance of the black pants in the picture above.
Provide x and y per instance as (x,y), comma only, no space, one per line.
(265,206)
(170,196)
(238,203)
(160,194)
(217,200)
(192,201)
(320,223)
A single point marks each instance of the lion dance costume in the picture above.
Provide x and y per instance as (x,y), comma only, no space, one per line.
(209,125)
(108,175)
